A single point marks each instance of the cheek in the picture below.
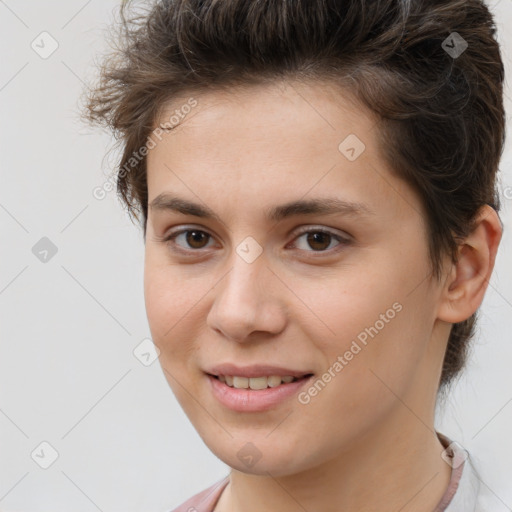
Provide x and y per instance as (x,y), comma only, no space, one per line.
(350,305)
(174,308)
(167,301)
(161,307)
(360,379)
(367,325)
(170,312)
(166,293)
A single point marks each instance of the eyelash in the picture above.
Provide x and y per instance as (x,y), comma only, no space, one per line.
(169,240)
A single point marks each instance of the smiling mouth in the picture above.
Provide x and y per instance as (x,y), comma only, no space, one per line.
(258,383)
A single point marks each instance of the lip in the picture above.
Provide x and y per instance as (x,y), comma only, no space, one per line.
(254,400)
(256,370)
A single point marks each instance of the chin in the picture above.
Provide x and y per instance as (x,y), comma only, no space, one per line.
(261,456)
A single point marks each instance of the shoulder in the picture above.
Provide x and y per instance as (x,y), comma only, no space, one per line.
(205,500)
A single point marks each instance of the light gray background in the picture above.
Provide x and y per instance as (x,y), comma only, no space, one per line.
(68,375)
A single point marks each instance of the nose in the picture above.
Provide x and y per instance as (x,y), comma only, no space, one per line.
(248,299)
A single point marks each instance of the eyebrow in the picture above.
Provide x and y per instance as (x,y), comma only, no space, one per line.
(318,206)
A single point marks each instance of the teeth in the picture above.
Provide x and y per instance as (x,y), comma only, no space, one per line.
(240,382)
(275,381)
(255,382)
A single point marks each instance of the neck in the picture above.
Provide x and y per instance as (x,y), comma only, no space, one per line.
(397,468)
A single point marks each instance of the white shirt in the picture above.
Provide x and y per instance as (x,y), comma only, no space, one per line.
(467,491)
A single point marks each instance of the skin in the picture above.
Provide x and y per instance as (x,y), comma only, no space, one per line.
(367,440)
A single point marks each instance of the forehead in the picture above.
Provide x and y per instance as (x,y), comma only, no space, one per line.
(322,105)
(276,140)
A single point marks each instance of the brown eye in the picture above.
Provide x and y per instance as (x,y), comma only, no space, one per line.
(196,238)
(318,240)
(191,239)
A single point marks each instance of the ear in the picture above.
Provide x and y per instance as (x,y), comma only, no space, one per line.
(467,281)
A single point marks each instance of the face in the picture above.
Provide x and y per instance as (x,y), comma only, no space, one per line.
(344,295)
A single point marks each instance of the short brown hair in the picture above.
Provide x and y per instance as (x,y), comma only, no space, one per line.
(441,115)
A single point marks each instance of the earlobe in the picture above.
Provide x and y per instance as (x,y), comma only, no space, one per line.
(465,286)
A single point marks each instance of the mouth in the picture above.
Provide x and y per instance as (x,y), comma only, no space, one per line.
(258,383)
(255,394)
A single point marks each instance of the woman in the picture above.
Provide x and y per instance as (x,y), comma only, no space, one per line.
(316,182)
